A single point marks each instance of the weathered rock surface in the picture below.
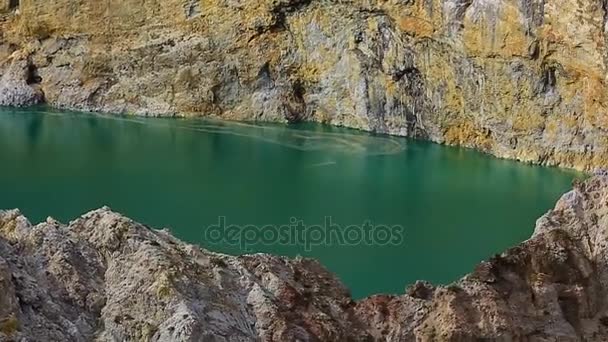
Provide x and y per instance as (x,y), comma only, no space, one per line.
(522,79)
(108,278)
(14,87)
(104,277)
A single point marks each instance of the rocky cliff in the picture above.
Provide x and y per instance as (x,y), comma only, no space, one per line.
(104,277)
(522,79)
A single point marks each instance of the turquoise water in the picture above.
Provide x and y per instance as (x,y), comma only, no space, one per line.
(456,207)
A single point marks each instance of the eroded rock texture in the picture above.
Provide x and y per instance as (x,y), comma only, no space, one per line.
(523,79)
(108,278)
(17,86)
(104,277)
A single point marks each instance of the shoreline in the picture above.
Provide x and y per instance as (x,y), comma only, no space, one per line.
(101,256)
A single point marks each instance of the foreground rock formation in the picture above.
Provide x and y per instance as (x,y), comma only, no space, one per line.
(104,277)
(522,79)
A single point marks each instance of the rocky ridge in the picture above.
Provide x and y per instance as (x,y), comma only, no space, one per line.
(105,277)
(521,79)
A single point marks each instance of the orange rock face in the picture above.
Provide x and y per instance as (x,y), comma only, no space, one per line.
(518,79)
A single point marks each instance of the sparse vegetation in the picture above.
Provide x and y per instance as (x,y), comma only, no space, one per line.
(9,325)
(97,65)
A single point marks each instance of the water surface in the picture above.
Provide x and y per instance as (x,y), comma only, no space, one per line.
(457,206)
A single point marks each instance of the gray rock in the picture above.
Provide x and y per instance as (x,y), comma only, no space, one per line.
(105,277)
(14,88)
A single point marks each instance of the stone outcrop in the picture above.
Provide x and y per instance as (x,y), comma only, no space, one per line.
(108,278)
(522,79)
(17,87)
(105,277)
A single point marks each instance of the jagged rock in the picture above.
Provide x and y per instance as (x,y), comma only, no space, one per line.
(108,278)
(14,88)
(105,277)
(521,79)
(550,288)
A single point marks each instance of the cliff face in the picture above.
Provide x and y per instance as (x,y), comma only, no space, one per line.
(104,277)
(523,79)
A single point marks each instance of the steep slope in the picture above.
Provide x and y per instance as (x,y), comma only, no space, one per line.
(522,79)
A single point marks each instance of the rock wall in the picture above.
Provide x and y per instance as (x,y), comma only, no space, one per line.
(105,277)
(522,79)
